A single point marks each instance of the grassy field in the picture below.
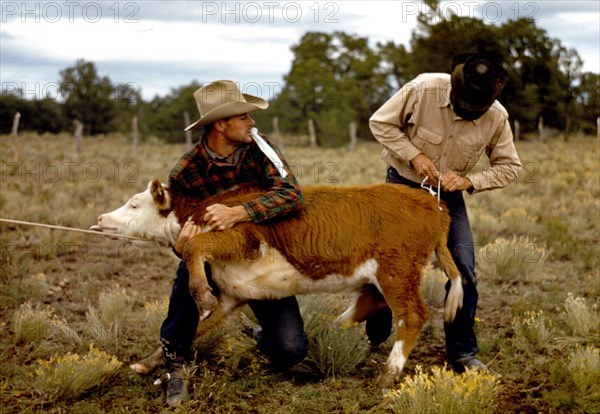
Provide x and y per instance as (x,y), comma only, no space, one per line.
(77,309)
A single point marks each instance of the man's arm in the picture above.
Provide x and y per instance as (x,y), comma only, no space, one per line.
(504,162)
(284,195)
(389,121)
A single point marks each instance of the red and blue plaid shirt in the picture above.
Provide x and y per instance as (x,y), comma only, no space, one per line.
(199,174)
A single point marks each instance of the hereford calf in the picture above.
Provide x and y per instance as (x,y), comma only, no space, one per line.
(373,240)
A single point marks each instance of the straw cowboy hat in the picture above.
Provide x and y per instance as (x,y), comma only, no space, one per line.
(222,99)
(476,81)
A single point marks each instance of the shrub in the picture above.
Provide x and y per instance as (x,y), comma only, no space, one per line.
(67,377)
(516,220)
(575,383)
(154,314)
(446,392)
(510,261)
(584,366)
(333,349)
(31,325)
(105,323)
(533,333)
(581,318)
(115,307)
(38,325)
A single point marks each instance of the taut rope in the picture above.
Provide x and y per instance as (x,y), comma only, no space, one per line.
(51,226)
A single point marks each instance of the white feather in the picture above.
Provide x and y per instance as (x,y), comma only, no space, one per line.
(268,151)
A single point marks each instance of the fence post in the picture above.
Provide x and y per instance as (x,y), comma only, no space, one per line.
(541,129)
(311,133)
(352,128)
(15,126)
(78,136)
(188,134)
(277,134)
(15,134)
(135,133)
(517,130)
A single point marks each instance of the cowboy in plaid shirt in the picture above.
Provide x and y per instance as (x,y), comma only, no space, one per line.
(228,156)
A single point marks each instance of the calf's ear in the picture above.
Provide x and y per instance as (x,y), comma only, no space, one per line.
(158,192)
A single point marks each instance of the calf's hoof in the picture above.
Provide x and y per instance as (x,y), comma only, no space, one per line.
(206,303)
(149,364)
(387,381)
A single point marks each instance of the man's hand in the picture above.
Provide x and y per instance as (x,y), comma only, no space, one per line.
(452,182)
(188,231)
(221,217)
(425,168)
(217,217)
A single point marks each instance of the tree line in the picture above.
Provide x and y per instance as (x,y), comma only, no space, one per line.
(339,78)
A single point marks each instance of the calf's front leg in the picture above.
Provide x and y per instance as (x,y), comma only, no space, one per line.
(227,245)
(199,287)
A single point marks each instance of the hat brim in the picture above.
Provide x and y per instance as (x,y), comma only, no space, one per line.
(252,104)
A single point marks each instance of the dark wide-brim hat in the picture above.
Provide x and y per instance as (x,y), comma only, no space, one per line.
(476,81)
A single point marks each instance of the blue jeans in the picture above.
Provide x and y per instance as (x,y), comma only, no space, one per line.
(282,338)
(461,342)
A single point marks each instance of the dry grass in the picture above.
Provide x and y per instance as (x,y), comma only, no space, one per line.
(542,340)
(443,391)
(68,376)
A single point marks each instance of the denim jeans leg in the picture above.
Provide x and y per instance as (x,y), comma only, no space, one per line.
(179,328)
(461,341)
(282,338)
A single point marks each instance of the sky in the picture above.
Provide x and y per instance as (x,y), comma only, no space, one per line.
(157,46)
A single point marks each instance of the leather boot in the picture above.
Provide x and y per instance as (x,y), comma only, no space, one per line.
(177,381)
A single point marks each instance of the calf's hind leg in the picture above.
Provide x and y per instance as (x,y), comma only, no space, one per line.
(410,313)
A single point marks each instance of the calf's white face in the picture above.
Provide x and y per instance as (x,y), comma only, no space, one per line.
(144,215)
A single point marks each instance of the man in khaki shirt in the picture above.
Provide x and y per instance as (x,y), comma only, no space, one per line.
(434,130)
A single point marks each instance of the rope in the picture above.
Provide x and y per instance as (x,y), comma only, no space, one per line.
(51,226)
(432,191)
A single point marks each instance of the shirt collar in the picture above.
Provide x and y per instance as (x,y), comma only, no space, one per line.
(219,160)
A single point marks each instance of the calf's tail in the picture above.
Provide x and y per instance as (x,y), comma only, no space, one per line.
(454,300)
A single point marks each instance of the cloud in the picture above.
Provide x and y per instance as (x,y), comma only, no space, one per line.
(162,45)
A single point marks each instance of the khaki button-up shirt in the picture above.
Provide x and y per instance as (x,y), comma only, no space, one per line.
(419,119)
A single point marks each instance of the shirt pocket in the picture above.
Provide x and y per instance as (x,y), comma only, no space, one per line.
(464,156)
(428,142)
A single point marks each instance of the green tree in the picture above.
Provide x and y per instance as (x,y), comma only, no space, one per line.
(164,115)
(40,115)
(396,64)
(539,87)
(542,72)
(588,101)
(88,97)
(127,98)
(434,44)
(335,79)
(570,65)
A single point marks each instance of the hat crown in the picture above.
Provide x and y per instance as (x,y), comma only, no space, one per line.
(476,81)
(480,74)
(216,94)
(222,99)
